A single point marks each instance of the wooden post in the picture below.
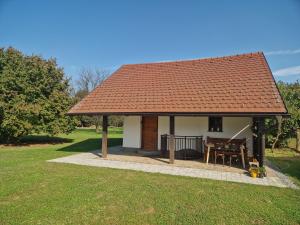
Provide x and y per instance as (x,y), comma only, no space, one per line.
(255,137)
(104,136)
(261,141)
(298,140)
(172,140)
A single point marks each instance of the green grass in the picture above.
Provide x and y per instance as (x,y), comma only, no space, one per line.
(288,161)
(292,143)
(33,191)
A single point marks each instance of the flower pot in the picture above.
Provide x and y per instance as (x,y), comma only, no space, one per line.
(253,173)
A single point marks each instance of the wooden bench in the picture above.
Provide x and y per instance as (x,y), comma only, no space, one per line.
(225,147)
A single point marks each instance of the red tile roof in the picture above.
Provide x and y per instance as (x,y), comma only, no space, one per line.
(231,84)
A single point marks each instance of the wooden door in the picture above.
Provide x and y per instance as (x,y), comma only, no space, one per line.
(149,132)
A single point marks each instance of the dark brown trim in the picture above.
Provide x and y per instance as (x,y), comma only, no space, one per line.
(228,114)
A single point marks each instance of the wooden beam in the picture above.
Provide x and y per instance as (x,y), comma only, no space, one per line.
(104,136)
(172,140)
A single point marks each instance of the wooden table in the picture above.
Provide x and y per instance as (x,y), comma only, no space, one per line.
(242,148)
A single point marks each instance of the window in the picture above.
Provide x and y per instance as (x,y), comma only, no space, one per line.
(215,124)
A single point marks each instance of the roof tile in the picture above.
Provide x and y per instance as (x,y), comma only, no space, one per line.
(241,83)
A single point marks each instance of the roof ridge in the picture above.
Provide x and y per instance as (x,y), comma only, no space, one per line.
(196,59)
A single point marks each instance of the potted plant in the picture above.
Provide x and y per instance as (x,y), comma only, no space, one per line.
(262,172)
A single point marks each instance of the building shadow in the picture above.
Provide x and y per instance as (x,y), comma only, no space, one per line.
(90,144)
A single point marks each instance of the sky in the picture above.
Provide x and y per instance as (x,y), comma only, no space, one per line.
(106,34)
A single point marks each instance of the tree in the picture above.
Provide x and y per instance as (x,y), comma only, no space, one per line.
(278,132)
(88,81)
(34,96)
(116,121)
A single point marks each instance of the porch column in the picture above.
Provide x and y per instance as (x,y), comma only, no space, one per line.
(104,136)
(255,137)
(172,140)
(261,141)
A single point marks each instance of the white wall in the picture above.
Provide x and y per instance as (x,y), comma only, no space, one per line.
(197,126)
(189,126)
(132,132)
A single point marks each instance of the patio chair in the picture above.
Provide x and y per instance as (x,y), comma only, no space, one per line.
(234,152)
(219,150)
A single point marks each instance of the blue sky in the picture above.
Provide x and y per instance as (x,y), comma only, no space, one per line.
(107,34)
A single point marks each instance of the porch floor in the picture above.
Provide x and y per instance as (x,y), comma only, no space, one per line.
(121,158)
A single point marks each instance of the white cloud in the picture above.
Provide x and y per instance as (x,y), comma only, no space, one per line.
(284,52)
(295,70)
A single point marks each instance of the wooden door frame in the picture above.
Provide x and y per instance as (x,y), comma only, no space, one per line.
(142,136)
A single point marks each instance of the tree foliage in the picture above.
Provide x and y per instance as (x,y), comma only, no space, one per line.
(291,95)
(34,96)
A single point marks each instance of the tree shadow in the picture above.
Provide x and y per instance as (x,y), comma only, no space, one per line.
(40,140)
(90,145)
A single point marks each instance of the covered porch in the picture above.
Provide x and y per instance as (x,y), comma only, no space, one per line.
(191,141)
(119,153)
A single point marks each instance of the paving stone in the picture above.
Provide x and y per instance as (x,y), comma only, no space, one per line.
(89,159)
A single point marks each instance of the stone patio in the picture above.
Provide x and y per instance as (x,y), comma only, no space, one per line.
(120,158)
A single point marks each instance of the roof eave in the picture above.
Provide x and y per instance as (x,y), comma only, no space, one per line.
(252,114)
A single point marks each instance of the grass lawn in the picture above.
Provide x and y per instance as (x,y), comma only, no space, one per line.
(288,161)
(33,191)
